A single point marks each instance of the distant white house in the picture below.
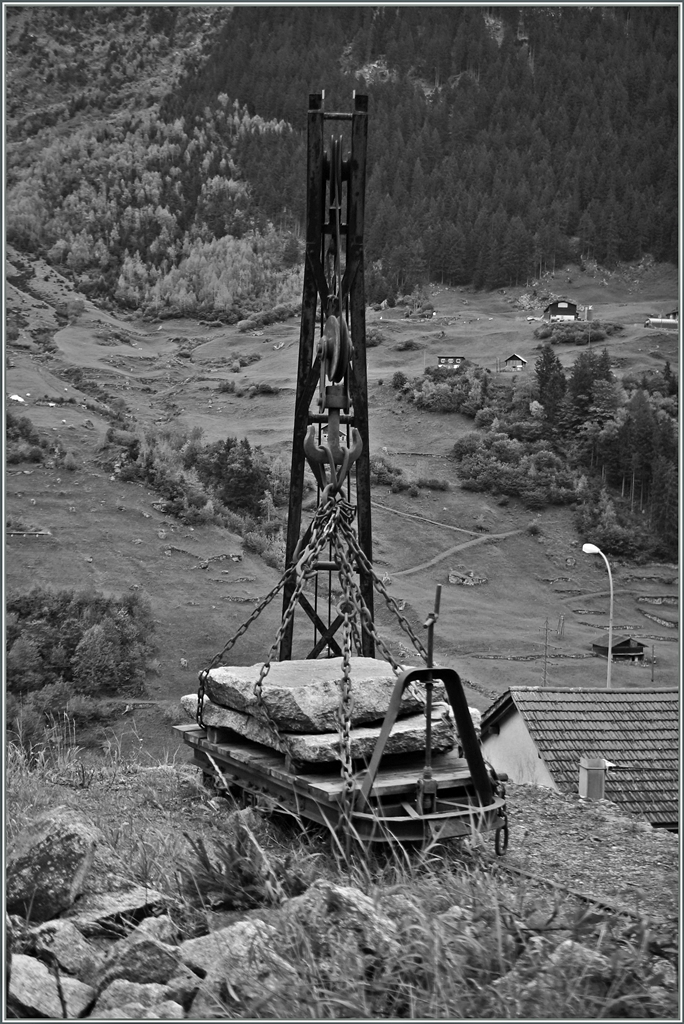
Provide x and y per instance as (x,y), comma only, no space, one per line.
(560,310)
(449,362)
(537,736)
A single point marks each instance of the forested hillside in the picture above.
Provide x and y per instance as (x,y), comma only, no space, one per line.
(158,153)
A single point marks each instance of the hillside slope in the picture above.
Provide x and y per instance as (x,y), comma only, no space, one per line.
(108,535)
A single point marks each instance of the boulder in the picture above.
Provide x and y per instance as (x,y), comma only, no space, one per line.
(34,992)
(121,992)
(570,956)
(161,928)
(341,915)
(167,1009)
(102,912)
(407,736)
(241,969)
(140,958)
(304,696)
(63,942)
(182,986)
(123,995)
(47,864)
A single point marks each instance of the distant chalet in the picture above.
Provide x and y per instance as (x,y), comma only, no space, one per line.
(560,310)
(515,362)
(624,650)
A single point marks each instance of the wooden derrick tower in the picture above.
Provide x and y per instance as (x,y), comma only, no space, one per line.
(332,358)
(429,789)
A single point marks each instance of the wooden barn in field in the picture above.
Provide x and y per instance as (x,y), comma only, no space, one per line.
(515,362)
(539,734)
(560,309)
(626,650)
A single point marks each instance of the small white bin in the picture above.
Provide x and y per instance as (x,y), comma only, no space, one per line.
(592,777)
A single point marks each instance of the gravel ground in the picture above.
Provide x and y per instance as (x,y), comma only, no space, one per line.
(594,849)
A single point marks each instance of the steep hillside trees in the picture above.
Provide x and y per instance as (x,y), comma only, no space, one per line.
(492,158)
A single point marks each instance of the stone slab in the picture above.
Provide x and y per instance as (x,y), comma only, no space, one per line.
(103,913)
(303,696)
(407,736)
(47,864)
(33,989)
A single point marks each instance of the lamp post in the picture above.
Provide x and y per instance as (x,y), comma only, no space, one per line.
(591,549)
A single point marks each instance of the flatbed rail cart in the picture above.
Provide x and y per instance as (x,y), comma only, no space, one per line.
(406,797)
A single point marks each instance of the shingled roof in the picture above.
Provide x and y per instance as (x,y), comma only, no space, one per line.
(636,729)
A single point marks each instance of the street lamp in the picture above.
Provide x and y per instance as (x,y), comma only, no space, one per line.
(591,549)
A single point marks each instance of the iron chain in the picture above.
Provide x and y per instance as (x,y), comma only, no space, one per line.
(218,658)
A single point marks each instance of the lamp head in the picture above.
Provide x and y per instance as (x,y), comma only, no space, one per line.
(590,549)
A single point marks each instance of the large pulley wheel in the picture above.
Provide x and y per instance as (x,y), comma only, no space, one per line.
(336,348)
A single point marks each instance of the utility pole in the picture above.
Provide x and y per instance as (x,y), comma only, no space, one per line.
(546,648)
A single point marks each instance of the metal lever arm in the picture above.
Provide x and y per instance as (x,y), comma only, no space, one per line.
(464,724)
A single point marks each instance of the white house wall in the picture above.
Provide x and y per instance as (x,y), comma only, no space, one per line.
(514,751)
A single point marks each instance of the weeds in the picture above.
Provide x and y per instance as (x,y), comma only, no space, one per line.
(399,934)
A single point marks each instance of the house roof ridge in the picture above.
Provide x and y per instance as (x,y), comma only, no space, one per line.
(591,689)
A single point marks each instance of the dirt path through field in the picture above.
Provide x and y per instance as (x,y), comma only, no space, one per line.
(457,547)
(424,519)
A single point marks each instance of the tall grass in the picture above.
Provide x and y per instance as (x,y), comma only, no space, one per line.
(432,934)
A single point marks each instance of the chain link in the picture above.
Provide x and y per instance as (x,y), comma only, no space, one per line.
(218,658)
(346,607)
(303,567)
(363,561)
(332,523)
(364,614)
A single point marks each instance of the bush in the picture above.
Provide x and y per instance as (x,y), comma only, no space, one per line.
(535,498)
(227,387)
(485,417)
(255,542)
(399,380)
(433,484)
(382,471)
(129,473)
(70,463)
(20,428)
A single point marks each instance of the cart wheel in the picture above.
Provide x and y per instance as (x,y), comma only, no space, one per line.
(501,838)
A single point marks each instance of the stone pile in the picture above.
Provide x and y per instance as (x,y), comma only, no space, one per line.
(302,698)
(82,942)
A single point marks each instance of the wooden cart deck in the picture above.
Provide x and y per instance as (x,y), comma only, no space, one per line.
(319,795)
